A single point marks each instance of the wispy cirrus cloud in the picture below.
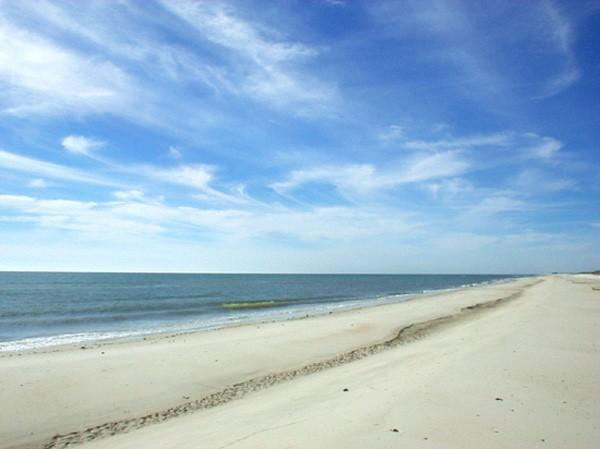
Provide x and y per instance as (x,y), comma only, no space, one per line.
(130,215)
(38,183)
(560,31)
(479,46)
(435,164)
(70,215)
(81,145)
(523,145)
(267,67)
(497,204)
(39,76)
(36,167)
(197,177)
(174,153)
(367,178)
(392,133)
(544,147)
(127,195)
(531,181)
(486,140)
(51,74)
(450,188)
(102,58)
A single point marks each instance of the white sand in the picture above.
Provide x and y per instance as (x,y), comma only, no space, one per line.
(539,353)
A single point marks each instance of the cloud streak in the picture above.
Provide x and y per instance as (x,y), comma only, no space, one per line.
(271,65)
(36,167)
(366,178)
(81,145)
(561,33)
(39,76)
(482,48)
(198,177)
(130,214)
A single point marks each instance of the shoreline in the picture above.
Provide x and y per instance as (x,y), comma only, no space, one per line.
(405,335)
(97,396)
(171,362)
(143,336)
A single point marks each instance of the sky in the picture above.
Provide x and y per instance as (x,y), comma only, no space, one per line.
(315,136)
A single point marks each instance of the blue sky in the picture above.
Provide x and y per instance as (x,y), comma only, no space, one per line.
(300,136)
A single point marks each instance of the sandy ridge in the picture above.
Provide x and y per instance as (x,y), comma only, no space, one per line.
(407,334)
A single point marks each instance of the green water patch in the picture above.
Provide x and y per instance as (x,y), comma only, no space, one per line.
(252,304)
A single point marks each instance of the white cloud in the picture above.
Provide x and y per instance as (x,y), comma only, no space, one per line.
(197,176)
(117,230)
(39,76)
(79,216)
(194,176)
(560,32)
(16,162)
(38,183)
(174,153)
(81,145)
(454,187)
(524,145)
(498,204)
(546,148)
(441,127)
(332,223)
(487,52)
(452,39)
(130,216)
(128,70)
(393,132)
(485,140)
(350,176)
(366,178)
(530,181)
(33,205)
(432,166)
(265,66)
(128,195)
(220,24)
(560,82)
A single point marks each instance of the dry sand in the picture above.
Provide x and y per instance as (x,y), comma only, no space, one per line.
(520,369)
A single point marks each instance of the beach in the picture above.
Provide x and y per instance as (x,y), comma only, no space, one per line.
(512,364)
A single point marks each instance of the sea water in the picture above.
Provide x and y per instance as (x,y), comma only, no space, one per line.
(45,309)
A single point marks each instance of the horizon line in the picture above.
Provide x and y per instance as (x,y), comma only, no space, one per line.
(282,273)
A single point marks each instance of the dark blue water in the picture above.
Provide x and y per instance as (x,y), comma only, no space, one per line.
(41,309)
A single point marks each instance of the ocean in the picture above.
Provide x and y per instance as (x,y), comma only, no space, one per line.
(45,309)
